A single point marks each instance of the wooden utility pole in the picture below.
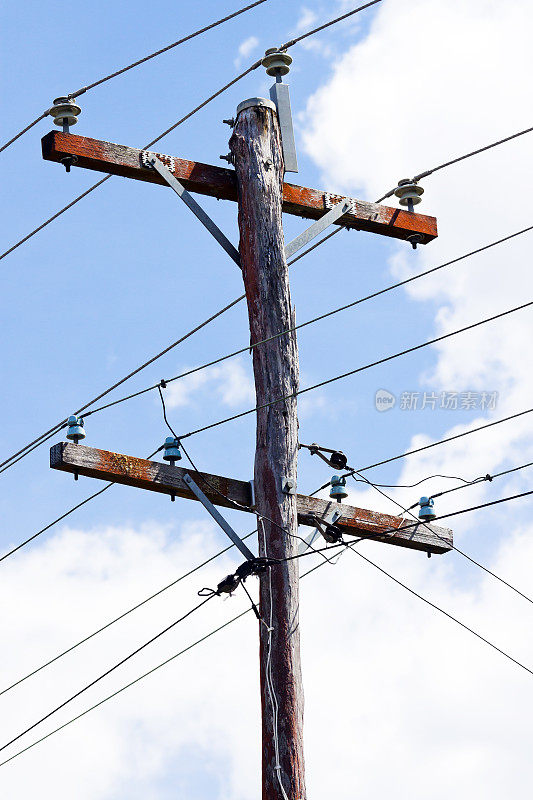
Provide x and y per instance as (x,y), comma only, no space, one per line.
(257,185)
(256,148)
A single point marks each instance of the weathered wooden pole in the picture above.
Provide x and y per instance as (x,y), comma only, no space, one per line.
(256,147)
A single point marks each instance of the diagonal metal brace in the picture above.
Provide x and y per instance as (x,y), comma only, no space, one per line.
(317,227)
(151,160)
(219,519)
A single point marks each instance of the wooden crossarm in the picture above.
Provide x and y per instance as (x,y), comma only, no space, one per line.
(118,159)
(232,493)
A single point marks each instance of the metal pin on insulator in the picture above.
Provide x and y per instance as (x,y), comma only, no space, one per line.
(276,62)
(338,488)
(427,510)
(75,430)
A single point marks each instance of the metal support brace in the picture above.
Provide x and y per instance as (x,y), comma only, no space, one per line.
(152,161)
(330,518)
(317,227)
(279,94)
(217,516)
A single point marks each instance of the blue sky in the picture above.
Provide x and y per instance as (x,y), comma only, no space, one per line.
(129,270)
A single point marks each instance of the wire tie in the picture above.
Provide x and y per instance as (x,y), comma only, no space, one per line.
(163,383)
(488,477)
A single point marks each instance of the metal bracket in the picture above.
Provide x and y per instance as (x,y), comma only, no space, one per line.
(330,518)
(279,93)
(288,485)
(317,227)
(252,493)
(151,160)
(217,516)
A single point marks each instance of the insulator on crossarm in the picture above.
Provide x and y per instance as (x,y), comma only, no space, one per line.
(338,488)
(427,509)
(171,450)
(65,112)
(75,430)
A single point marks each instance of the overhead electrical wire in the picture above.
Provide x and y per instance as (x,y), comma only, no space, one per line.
(120,616)
(141,677)
(428,172)
(357,370)
(433,444)
(462,553)
(108,672)
(320,317)
(442,611)
(345,545)
(62,517)
(212,97)
(106,78)
(44,437)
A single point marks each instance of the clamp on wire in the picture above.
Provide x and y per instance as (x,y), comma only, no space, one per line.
(336,459)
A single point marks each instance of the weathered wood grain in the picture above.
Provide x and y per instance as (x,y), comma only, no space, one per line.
(218,182)
(256,147)
(163,478)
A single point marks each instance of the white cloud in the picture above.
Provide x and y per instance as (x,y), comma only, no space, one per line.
(230,381)
(246,48)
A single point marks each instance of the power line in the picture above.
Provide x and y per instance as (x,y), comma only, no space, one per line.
(427,172)
(357,370)
(457,549)
(327,25)
(212,97)
(320,317)
(482,479)
(120,616)
(44,437)
(442,611)
(141,677)
(433,444)
(56,428)
(63,516)
(108,672)
(84,89)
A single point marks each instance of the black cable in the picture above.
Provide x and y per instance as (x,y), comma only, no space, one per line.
(56,428)
(107,672)
(165,49)
(84,89)
(446,614)
(121,616)
(66,514)
(427,172)
(357,370)
(24,130)
(434,444)
(353,303)
(327,25)
(488,477)
(454,547)
(141,677)
(52,431)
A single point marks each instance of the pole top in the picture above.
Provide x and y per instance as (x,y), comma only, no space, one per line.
(252,102)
